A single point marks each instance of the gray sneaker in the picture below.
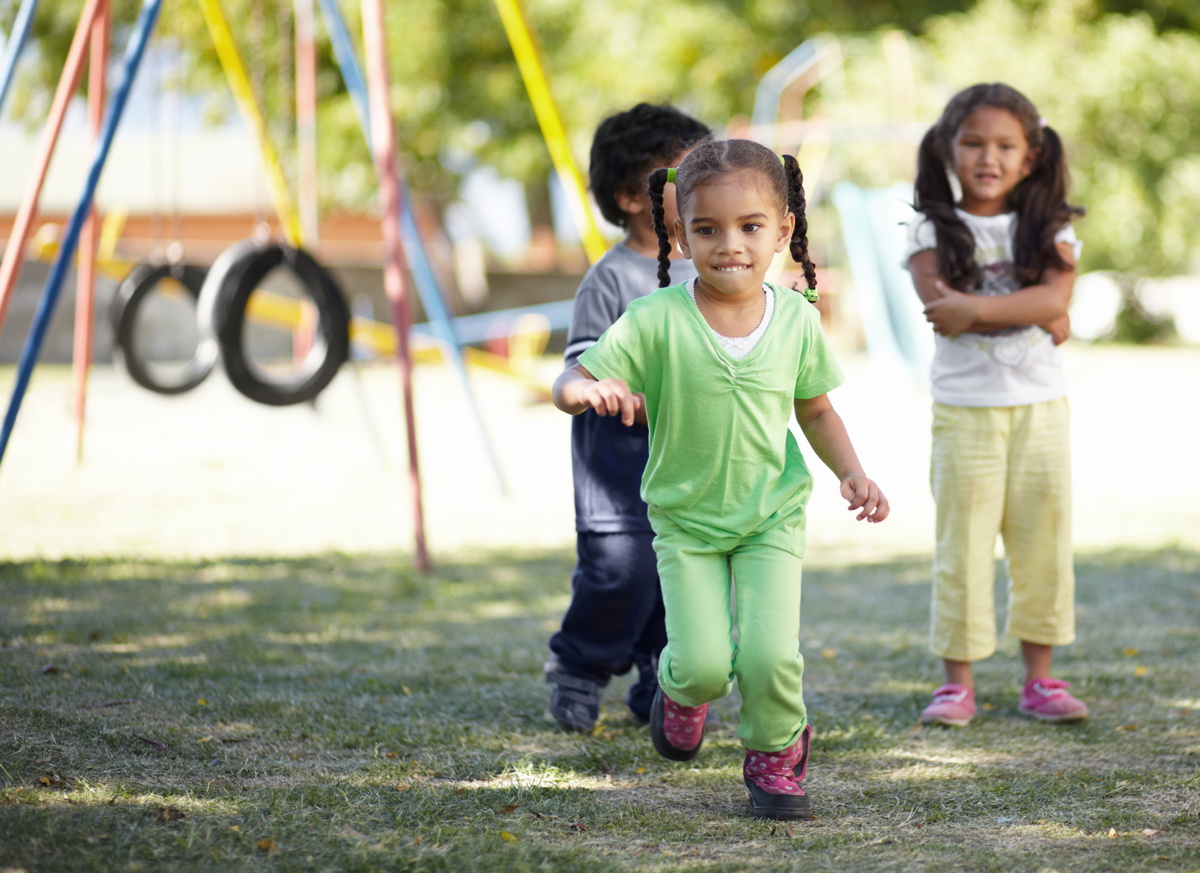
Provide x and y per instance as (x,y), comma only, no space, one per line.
(574,701)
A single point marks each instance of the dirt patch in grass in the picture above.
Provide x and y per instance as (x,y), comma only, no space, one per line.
(340,713)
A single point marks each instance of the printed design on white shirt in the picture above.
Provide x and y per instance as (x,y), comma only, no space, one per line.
(1007,367)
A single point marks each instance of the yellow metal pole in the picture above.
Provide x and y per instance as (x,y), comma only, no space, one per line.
(243,95)
(529,62)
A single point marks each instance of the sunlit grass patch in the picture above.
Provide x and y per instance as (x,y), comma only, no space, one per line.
(349,715)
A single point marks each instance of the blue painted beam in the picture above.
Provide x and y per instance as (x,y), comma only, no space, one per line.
(134,51)
(16,42)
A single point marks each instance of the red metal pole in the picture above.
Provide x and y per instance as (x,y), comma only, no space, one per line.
(85,293)
(395,269)
(306,124)
(14,251)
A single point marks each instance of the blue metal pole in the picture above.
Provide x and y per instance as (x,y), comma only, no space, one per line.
(427,285)
(16,42)
(134,51)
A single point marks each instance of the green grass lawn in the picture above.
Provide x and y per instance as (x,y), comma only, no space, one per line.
(339,713)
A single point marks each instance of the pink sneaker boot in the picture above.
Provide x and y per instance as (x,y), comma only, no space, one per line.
(952,705)
(676,730)
(774,780)
(1048,700)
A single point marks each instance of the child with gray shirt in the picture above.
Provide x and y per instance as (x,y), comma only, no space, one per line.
(615,618)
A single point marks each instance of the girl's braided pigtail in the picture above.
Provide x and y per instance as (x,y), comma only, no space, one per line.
(658,181)
(796,204)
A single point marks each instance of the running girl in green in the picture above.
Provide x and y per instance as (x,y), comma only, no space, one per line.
(715,367)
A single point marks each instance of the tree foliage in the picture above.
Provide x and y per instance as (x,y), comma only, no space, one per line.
(457,95)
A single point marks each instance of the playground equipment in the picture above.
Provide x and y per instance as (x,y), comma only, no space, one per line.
(898,339)
(893,318)
(223,310)
(124,316)
(133,55)
(227,298)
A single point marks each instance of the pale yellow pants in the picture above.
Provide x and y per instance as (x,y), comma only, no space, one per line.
(1001,470)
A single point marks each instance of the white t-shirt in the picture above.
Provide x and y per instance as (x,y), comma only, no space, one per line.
(740,346)
(1013,366)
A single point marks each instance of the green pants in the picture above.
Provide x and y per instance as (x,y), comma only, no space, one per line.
(701,658)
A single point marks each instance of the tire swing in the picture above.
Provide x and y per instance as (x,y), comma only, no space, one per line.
(224,312)
(137,294)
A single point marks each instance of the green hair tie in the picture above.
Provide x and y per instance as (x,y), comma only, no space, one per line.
(811,295)
(671,174)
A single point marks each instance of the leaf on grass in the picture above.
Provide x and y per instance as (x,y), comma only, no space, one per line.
(351,832)
(405,689)
(1131,652)
(461,791)
(202,702)
(508,809)
(392,755)
(94,635)
(50,669)
(207,739)
(829,653)
(416,841)
(1140,671)
(267,845)
(507,837)
(1126,727)
(988,705)
(1149,832)
(790,831)
(577,825)
(169,813)
(45,780)
(235,827)
(403,786)
(772,831)
(1112,832)
(641,769)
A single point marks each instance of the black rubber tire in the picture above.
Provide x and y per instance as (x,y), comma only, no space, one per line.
(134,290)
(222,317)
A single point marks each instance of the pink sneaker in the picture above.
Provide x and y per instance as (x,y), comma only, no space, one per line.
(774,780)
(677,731)
(952,704)
(1048,700)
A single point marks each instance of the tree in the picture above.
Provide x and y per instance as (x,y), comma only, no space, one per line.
(457,95)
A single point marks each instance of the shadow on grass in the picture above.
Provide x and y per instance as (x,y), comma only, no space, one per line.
(363,717)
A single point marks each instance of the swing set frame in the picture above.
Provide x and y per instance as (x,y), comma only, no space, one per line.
(403,249)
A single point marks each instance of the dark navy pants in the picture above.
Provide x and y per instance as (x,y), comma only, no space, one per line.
(615,619)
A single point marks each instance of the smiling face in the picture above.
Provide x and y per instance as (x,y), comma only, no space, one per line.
(731,230)
(991,156)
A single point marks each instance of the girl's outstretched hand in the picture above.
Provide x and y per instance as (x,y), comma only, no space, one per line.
(613,397)
(952,313)
(863,494)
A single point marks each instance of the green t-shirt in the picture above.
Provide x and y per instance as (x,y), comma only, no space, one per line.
(723,462)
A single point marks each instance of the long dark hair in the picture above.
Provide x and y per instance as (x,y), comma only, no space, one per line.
(711,160)
(1040,199)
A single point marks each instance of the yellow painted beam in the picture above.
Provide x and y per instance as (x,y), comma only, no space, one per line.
(243,95)
(529,62)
